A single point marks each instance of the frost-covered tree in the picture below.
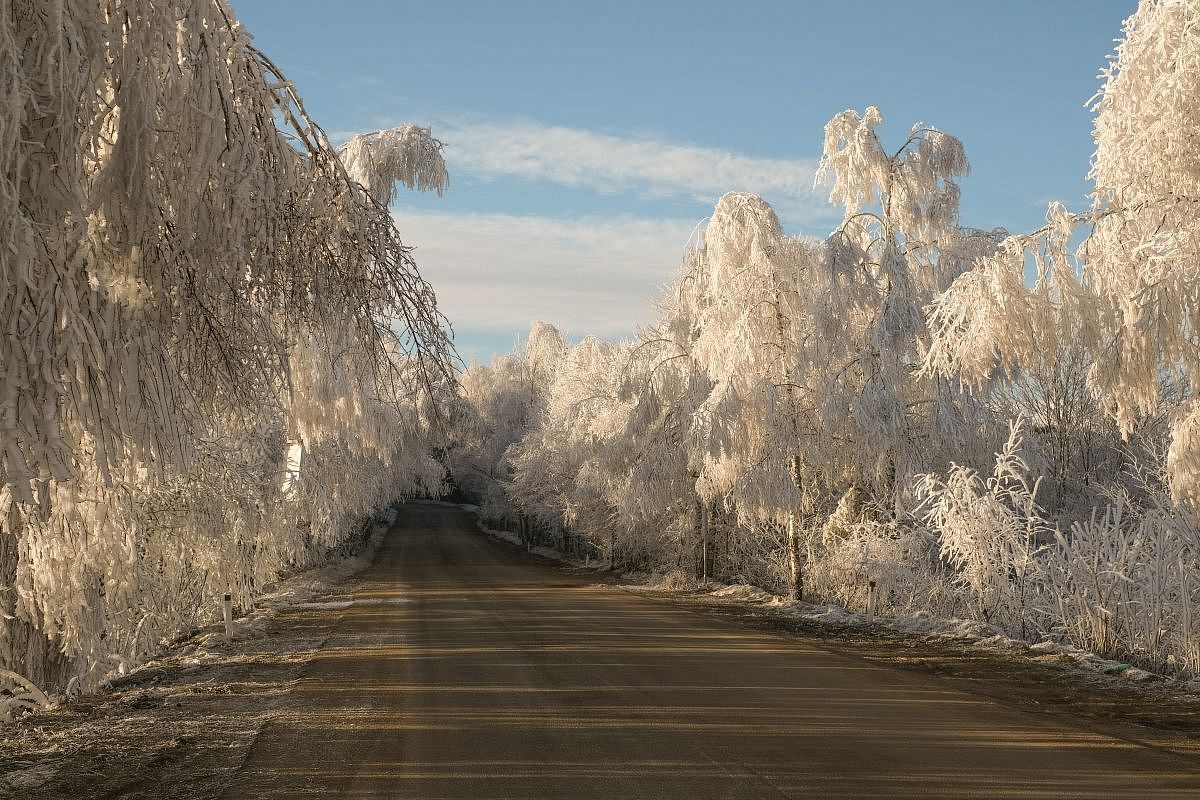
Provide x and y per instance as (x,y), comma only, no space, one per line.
(1128,295)
(897,247)
(499,404)
(662,451)
(1142,259)
(561,474)
(493,413)
(751,314)
(185,289)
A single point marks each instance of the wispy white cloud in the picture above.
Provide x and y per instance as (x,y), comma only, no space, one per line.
(647,168)
(495,272)
(612,164)
(498,272)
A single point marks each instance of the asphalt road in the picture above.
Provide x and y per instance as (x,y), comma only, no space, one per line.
(467,670)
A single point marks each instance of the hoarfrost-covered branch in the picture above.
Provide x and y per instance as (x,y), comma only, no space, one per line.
(408,155)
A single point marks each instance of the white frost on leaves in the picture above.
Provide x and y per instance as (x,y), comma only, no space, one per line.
(408,155)
(1128,297)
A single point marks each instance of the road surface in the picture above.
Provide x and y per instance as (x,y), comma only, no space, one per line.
(465,669)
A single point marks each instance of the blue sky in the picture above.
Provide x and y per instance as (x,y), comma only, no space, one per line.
(586,140)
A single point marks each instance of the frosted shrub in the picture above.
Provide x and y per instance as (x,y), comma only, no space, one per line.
(992,532)
(18,695)
(757,554)
(900,558)
(1125,586)
(1090,574)
(1121,583)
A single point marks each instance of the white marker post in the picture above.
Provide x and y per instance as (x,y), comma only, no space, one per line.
(870,601)
(227,613)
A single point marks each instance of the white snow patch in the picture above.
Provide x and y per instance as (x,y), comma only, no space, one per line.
(547,552)
(496,533)
(744,592)
(507,536)
(830,615)
(947,628)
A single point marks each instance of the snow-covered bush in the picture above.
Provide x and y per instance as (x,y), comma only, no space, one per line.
(1126,585)
(992,533)
(864,559)
(1120,583)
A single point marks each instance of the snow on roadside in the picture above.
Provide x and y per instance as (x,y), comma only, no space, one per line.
(497,533)
(973,632)
(208,644)
(193,711)
(744,592)
(341,605)
(297,591)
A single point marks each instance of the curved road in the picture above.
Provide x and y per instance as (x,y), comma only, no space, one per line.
(466,670)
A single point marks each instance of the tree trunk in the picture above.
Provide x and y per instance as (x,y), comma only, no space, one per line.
(24,649)
(795,560)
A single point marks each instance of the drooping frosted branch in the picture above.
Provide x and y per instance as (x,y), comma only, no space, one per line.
(407,154)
